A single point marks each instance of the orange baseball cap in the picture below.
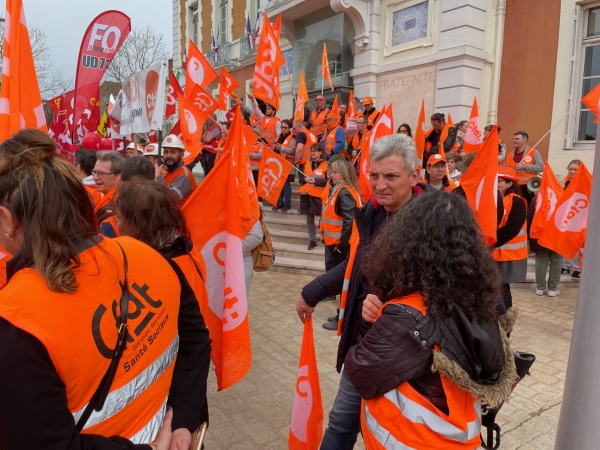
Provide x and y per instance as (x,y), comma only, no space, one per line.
(434,159)
(367,101)
(508,173)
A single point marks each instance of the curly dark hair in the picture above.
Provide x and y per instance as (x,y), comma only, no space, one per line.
(434,246)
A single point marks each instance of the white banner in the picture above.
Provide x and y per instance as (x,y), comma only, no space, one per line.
(140,104)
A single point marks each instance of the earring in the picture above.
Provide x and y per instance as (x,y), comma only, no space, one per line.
(8,236)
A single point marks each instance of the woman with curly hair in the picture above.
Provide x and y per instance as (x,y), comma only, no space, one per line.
(435,350)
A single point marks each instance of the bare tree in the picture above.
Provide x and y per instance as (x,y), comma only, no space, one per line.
(51,80)
(142,48)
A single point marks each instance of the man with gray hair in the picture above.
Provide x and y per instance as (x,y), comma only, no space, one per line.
(394,177)
(107,176)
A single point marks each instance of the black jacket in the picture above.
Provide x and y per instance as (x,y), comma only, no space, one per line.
(399,347)
(344,206)
(514,222)
(368,221)
(434,139)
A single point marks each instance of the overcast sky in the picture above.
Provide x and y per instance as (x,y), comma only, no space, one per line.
(65,22)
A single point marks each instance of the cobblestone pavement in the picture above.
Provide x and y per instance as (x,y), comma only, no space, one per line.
(255,413)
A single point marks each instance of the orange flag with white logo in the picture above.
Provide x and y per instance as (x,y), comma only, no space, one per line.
(243,138)
(199,72)
(272,174)
(325,67)
(474,137)
(226,87)
(20,99)
(191,123)
(420,134)
(213,216)
(306,429)
(480,183)
(550,193)
(351,114)
(566,230)
(302,98)
(203,100)
(269,60)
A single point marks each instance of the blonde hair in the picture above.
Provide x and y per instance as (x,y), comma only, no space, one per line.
(45,196)
(347,170)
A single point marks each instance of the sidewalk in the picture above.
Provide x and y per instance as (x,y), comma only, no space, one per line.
(256,412)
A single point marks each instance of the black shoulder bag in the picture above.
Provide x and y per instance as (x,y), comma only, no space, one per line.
(99,397)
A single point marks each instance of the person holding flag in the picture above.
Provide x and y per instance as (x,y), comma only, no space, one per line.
(334,140)
(316,121)
(440,134)
(178,178)
(269,123)
(369,112)
(526,160)
(210,142)
(359,140)
(286,146)
(305,139)
(576,261)
(501,144)
(311,190)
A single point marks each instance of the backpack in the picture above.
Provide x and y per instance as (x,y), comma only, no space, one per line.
(263,255)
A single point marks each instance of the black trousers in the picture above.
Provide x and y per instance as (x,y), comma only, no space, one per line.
(506,296)
(207,161)
(333,258)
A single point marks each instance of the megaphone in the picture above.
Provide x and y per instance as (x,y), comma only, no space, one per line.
(533,185)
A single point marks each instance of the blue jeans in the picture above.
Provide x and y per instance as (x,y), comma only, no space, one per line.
(344,418)
(285,198)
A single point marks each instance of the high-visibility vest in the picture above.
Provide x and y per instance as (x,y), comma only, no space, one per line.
(181,171)
(529,159)
(516,248)
(371,117)
(112,220)
(221,145)
(403,419)
(256,148)
(286,143)
(79,331)
(330,140)
(193,267)
(318,126)
(268,128)
(331,223)
(253,119)
(212,145)
(319,172)
(311,139)
(94,193)
(106,199)
(358,143)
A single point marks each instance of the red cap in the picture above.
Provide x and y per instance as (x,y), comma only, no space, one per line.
(91,141)
(434,159)
(508,173)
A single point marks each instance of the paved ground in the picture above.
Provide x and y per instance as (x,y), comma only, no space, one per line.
(255,413)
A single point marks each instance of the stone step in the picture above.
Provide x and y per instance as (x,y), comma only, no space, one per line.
(292,214)
(295,204)
(298,266)
(300,251)
(291,237)
(289,223)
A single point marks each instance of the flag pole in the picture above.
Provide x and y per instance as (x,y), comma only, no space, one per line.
(291,84)
(555,125)
(160,147)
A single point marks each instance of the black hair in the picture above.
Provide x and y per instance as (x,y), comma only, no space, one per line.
(86,159)
(407,126)
(513,189)
(138,166)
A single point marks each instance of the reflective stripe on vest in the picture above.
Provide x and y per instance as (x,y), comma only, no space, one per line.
(516,248)
(318,126)
(331,223)
(331,141)
(319,172)
(268,128)
(528,159)
(181,171)
(80,331)
(150,431)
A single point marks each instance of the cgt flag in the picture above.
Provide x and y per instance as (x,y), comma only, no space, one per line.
(480,184)
(213,216)
(191,122)
(203,100)
(306,429)
(199,73)
(101,41)
(550,193)
(272,174)
(269,60)
(174,90)
(420,135)
(302,98)
(566,230)
(325,67)
(226,87)
(20,100)
(474,137)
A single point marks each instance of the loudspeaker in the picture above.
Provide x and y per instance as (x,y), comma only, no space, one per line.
(533,185)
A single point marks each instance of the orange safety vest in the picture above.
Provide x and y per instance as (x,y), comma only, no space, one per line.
(112,220)
(358,143)
(529,159)
(253,120)
(318,126)
(256,148)
(268,129)
(443,137)
(80,331)
(181,171)
(212,145)
(516,248)
(319,172)
(331,223)
(311,139)
(404,419)
(286,143)
(94,193)
(106,199)
(193,267)
(330,140)
(221,145)
(371,118)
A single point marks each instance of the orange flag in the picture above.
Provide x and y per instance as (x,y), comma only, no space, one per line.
(550,193)
(420,134)
(306,429)
(566,230)
(351,114)
(20,100)
(227,86)
(449,122)
(269,60)
(213,216)
(591,101)
(325,68)
(302,98)
(202,99)
(272,174)
(474,138)
(243,139)
(199,72)
(191,123)
(480,183)
(277,28)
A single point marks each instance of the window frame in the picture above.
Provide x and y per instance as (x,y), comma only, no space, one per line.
(427,41)
(223,21)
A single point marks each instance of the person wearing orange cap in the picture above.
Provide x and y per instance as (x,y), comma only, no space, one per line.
(179,179)
(436,172)
(334,140)
(316,121)
(370,112)
(510,249)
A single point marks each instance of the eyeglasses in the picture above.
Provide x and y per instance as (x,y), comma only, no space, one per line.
(103,174)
